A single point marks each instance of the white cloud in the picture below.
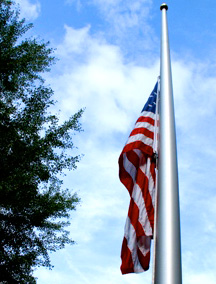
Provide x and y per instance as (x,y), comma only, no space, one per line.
(124,13)
(29,10)
(128,25)
(200,278)
(77,3)
(92,74)
(125,23)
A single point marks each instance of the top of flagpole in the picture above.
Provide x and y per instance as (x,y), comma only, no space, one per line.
(164,6)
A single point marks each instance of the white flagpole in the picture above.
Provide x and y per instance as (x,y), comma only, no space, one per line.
(167,268)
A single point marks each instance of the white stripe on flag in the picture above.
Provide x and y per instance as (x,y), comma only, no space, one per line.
(132,245)
(143,217)
(142,138)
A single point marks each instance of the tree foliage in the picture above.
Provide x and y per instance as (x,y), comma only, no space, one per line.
(35,149)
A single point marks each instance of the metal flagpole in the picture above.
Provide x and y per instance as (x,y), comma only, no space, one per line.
(167,268)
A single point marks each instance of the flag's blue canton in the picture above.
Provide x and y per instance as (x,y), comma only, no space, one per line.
(151,102)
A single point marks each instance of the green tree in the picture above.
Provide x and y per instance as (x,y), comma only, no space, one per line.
(35,149)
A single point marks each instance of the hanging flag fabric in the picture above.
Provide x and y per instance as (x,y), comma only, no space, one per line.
(137,171)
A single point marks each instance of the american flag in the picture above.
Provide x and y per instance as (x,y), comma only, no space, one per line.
(137,171)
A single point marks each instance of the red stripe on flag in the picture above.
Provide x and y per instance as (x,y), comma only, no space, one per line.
(146,119)
(144,131)
(127,265)
(143,182)
(124,176)
(133,158)
(152,170)
(138,145)
(143,259)
(133,214)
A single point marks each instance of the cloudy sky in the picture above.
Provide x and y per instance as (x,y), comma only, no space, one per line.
(109,52)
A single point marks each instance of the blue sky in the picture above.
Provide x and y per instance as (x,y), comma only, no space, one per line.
(108,55)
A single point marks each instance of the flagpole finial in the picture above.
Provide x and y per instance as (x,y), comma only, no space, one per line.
(164,6)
